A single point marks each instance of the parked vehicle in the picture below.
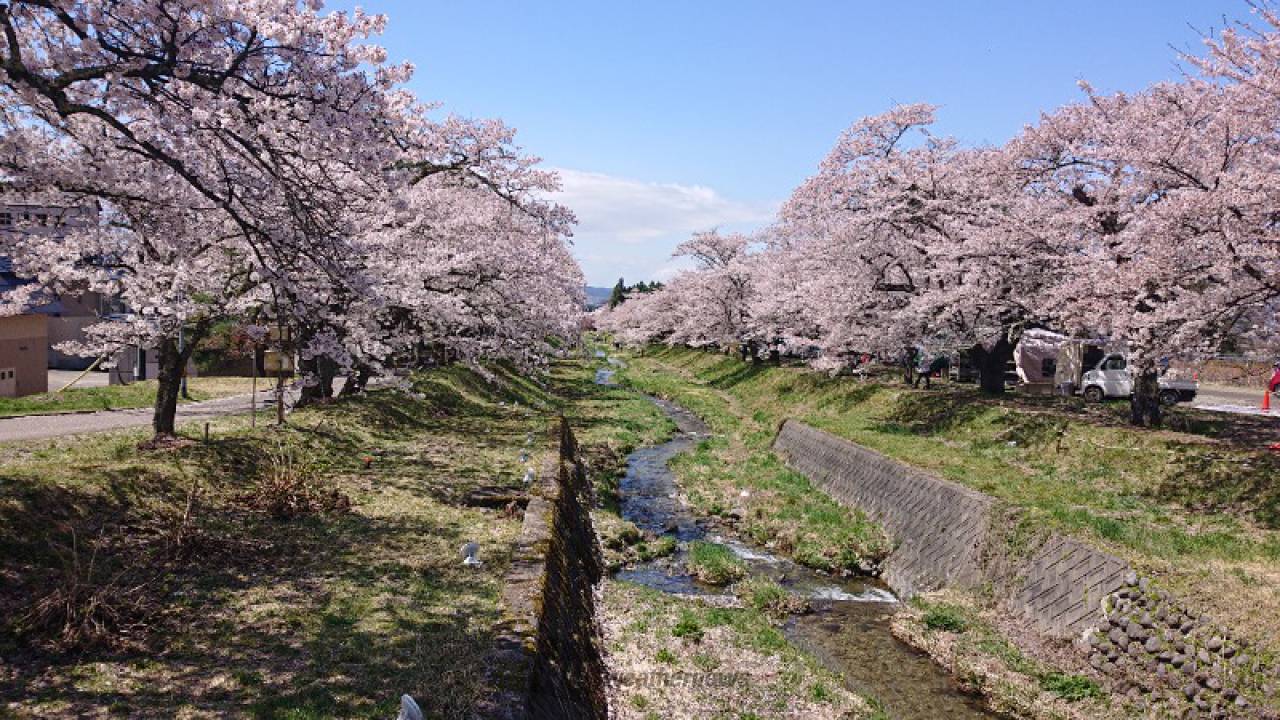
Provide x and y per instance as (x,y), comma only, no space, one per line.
(1096,369)
(1110,377)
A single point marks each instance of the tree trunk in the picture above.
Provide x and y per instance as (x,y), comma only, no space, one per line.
(991,365)
(169,376)
(1144,403)
(319,373)
(357,379)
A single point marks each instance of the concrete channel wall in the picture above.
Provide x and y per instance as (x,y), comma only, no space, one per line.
(546,662)
(1143,642)
(942,533)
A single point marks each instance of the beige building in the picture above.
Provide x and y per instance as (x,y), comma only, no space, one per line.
(66,315)
(24,342)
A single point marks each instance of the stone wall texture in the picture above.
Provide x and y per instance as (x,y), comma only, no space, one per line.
(1145,643)
(547,661)
(939,527)
(941,532)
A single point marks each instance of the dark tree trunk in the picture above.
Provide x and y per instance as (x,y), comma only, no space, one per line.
(356,382)
(908,361)
(172,364)
(319,373)
(169,378)
(991,365)
(1144,403)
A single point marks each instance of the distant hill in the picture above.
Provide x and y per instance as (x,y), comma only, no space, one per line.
(597,296)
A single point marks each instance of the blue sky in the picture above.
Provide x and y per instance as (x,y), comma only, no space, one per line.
(670,117)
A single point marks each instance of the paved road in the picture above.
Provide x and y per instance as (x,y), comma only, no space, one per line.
(95,378)
(40,427)
(1223,398)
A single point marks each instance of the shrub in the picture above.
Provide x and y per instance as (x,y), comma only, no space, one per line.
(290,488)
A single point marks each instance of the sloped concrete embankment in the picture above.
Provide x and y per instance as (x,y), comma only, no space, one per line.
(1140,638)
(547,661)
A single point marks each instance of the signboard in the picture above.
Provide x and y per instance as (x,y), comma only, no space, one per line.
(274,361)
(280,334)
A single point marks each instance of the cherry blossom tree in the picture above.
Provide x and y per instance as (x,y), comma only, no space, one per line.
(252,151)
(1160,198)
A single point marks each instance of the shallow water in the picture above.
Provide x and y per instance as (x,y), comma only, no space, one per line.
(848,630)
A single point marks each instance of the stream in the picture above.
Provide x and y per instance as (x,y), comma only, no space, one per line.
(848,627)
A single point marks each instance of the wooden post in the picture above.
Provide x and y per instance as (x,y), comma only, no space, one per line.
(280,397)
(253,394)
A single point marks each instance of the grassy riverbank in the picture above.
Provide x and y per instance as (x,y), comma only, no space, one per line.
(734,476)
(306,572)
(1198,510)
(677,658)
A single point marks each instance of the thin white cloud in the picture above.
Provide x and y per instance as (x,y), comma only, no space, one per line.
(628,227)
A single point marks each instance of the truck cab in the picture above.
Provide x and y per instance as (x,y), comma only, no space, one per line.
(1109,377)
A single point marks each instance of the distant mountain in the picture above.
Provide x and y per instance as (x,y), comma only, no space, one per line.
(597,296)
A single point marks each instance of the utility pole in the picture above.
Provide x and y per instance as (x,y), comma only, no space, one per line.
(183,370)
(253,394)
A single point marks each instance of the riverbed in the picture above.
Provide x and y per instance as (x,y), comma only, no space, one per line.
(847,625)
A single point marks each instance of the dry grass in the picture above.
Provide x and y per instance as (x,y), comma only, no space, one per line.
(678,659)
(329,615)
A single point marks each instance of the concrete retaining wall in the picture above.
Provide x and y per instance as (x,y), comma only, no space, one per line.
(1142,641)
(939,527)
(942,530)
(547,662)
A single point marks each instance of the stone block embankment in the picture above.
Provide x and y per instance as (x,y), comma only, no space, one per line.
(939,528)
(547,661)
(1143,641)
(942,533)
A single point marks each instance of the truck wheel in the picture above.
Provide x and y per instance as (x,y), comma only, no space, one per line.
(1169,397)
(1094,394)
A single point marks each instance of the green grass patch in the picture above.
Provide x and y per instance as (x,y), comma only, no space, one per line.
(663,546)
(714,564)
(1071,688)
(117,397)
(946,618)
(735,472)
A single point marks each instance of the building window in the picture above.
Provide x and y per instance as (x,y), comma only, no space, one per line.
(6,218)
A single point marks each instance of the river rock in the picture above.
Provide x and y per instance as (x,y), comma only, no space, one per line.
(1152,645)
(1214,644)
